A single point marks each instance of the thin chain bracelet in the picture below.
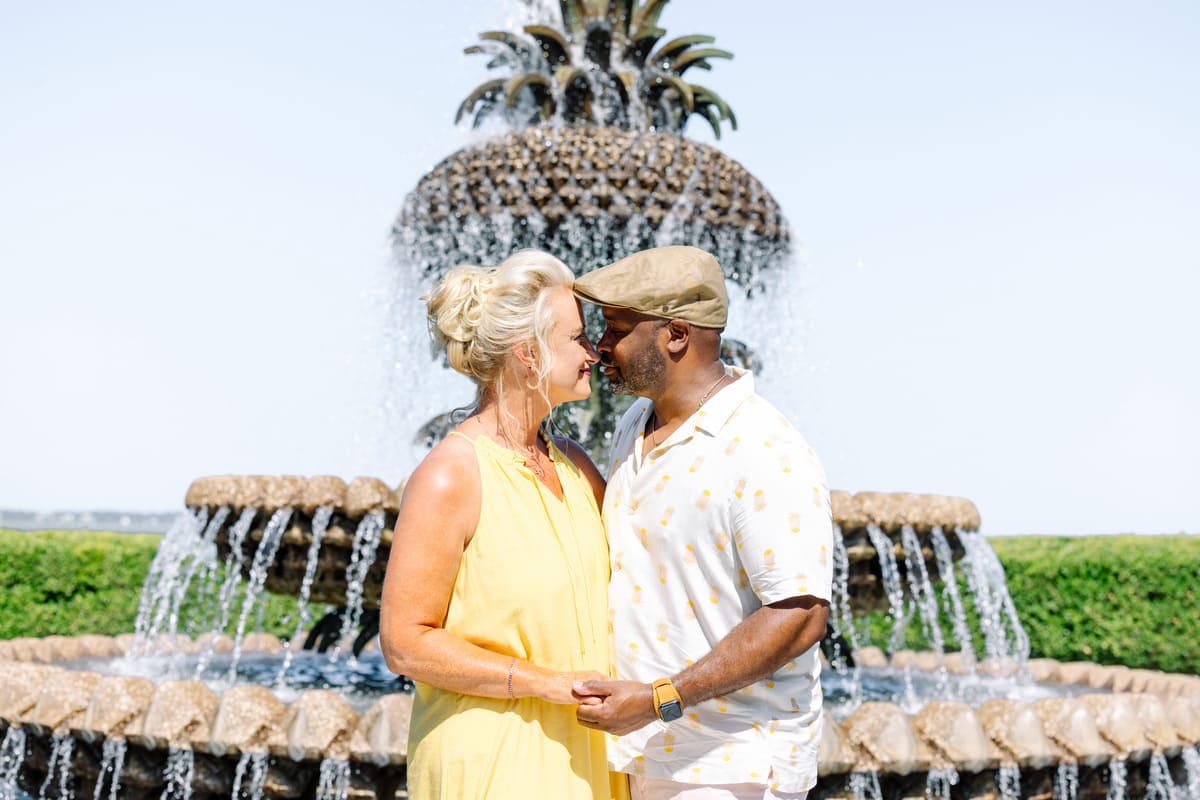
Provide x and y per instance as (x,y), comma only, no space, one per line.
(511,667)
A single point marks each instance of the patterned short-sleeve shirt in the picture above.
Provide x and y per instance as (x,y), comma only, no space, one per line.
(731,512)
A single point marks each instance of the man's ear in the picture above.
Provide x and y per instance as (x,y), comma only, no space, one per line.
(678,333)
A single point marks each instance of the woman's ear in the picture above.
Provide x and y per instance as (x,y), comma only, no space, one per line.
(526,356)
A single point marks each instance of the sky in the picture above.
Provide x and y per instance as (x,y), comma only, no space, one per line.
(995,207)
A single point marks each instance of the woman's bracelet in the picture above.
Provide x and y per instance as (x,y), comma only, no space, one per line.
(511,667)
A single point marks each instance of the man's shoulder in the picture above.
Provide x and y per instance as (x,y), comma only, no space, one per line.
(758,415)
(629,420)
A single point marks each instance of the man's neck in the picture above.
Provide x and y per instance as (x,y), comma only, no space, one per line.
(687,392)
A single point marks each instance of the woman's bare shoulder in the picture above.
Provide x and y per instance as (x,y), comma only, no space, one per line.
(450,469)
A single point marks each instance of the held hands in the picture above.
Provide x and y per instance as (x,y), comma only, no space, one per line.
(560,688)
(617,707)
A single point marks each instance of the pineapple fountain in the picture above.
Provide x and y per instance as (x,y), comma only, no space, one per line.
(593,166)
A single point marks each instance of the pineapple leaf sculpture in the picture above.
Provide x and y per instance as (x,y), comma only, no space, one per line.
(605,67)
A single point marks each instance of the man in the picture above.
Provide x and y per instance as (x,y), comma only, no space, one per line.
(721,540)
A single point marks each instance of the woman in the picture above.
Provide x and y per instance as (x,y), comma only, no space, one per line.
(495,599)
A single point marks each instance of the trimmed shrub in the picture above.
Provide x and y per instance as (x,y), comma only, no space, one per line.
(68,583)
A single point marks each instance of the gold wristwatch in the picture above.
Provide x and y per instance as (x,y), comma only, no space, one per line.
(667,703)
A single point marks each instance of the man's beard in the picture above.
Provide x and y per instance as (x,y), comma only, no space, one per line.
(643,373)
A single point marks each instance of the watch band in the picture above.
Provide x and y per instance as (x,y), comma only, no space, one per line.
(668,705)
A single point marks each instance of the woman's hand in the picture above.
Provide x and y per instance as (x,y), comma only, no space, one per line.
(557,687)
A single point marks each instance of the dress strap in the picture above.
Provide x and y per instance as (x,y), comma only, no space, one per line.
(463,435)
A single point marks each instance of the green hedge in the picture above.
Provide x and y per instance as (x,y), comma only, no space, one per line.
(1108,599)
(1128,600)
(69,583)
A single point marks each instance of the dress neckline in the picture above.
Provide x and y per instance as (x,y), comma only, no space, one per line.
(519,460)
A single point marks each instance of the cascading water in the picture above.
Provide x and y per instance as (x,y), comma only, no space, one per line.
(1117,779)
(1008,781)
(939,783)
(320,524)
(181,766)
(231,581)
(1066,782)
(256,765)
(59,769)
(334,781)
(180,547)
(952,601)
(892,585)
(12,755)
(993,602)
(1159,785)
(864,786)
(366,543)
(263,558)
(112,762)
(922,590)
(1191,764)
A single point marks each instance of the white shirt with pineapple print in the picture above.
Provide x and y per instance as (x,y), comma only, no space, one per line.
(731,512)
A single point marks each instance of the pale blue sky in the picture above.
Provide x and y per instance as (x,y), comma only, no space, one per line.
(996,205)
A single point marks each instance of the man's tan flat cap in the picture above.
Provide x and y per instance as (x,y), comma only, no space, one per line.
(675,282)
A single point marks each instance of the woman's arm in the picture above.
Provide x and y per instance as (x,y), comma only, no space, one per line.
(580,458)
(438,516)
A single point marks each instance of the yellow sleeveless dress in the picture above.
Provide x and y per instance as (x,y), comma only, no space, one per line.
(533,583)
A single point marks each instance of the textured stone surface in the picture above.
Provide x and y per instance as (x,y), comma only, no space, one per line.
(1071,726)
(1118,722)
(178,713)
(365,495)
(283,491)
(381,736)
(317,725)
(884,737)
(250,492)
(870,656)
(1016,729)
(245,719)
(955,737)
(117,705)
(323,490)
(19,686)
(546,186)
(836,755)
(62,700)
(1157,725)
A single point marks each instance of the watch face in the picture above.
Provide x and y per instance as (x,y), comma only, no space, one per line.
(670,710)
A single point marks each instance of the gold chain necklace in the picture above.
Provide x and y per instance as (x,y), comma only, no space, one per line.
(703,398)
(535,464)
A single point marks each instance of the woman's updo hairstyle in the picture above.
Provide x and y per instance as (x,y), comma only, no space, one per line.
(478,315)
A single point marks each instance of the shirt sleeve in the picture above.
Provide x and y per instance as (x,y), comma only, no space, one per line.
(784,520)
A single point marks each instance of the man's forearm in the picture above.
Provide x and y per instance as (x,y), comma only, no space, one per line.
(758,647)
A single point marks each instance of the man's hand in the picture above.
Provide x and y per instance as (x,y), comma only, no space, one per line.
(624,706)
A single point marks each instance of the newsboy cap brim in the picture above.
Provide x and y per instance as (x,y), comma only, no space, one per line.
(674,282)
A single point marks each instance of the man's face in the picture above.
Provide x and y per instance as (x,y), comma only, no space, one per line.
(630,356)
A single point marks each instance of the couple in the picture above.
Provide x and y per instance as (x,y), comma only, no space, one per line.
(675,642)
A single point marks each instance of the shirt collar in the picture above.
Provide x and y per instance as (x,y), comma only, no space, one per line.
(713,415)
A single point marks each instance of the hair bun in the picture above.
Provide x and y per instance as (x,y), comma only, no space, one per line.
(455,306)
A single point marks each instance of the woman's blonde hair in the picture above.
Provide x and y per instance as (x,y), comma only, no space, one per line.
(477,315)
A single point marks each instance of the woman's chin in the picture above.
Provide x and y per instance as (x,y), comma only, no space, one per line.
(572,397)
